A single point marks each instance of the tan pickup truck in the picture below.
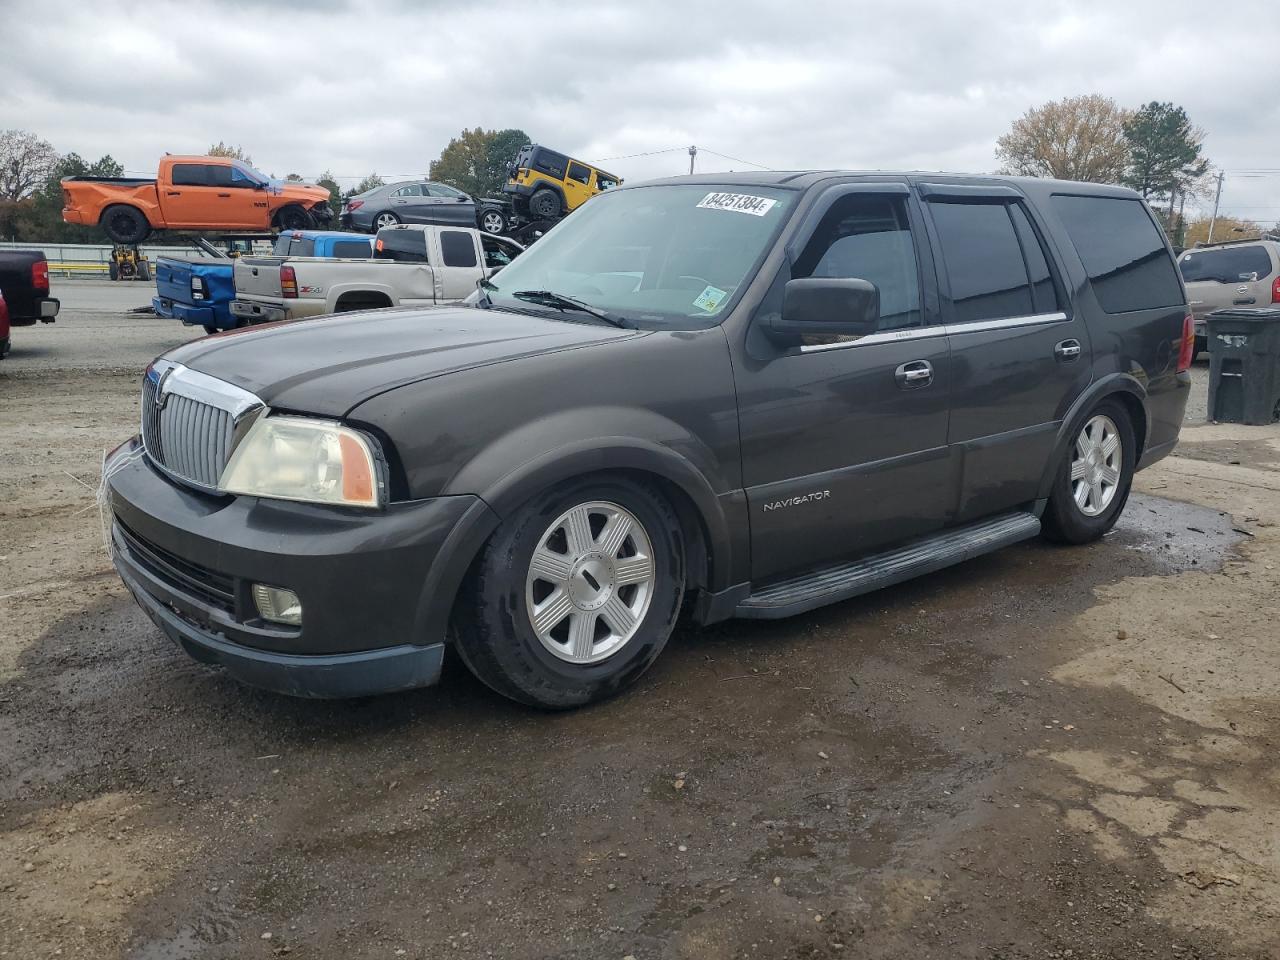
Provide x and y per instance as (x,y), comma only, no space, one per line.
(413,265)
(193,193)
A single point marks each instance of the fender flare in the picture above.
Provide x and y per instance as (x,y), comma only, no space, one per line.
(508,492)
(1112,384)
(553,186)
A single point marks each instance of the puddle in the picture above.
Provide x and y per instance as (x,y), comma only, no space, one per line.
(1175,536)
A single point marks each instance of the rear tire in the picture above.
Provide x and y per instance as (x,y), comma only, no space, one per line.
(1093,482)
(294,217)
(1202,344)
(601,561)
(385,219)
(125,224)
(544,205)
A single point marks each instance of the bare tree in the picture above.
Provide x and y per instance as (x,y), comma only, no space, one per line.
(1076,138)
(26,161)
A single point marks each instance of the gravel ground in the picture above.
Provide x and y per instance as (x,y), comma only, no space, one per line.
(1043,753)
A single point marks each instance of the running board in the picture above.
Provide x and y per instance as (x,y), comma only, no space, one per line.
(844,580)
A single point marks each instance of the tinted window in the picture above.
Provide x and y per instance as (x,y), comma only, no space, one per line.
(218,176)
(457,248)
(983,261)
(408,246)
(1043,291)
(353,249)
(189,175)
(580,173)
(549,162)
(412,190)
(1122,250)
(288,245)
(868,238)
(1226,265)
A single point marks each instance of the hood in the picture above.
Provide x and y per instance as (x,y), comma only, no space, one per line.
(329,365)
(292,190)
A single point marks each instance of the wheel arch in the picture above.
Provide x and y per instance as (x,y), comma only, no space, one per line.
(704,526)
(1122,387)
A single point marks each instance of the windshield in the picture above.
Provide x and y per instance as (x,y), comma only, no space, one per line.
(665,256)
(1226,265)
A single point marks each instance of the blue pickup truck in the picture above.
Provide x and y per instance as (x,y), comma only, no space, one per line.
(199,291)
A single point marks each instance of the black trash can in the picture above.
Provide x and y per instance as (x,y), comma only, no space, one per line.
(1244,365)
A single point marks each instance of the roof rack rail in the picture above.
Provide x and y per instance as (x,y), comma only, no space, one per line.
(1267,235)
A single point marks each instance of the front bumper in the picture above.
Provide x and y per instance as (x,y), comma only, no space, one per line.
(256,312)
(367,627)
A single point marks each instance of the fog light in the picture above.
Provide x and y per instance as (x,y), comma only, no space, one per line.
(277,604)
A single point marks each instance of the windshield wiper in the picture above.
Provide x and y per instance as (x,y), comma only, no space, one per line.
(550,298)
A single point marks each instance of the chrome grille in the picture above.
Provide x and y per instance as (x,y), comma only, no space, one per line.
(189,421)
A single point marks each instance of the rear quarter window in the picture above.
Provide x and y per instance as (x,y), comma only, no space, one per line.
(1226,265)
(1123,252)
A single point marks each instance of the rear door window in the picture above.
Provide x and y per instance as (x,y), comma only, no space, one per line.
(1043,291)
(1123,252)
(983,261)
(457,248)
(406,246)
(1226,265)
(352,249)
(189,175)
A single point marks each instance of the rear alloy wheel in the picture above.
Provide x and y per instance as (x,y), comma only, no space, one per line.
(1092,486)
(492,221)
(575,595)
(385,219)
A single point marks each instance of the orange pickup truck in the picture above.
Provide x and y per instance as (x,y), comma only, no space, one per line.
(193,193)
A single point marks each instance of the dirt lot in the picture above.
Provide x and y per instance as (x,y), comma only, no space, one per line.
(1043,753)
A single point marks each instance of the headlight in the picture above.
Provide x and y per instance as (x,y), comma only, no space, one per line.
(298,458)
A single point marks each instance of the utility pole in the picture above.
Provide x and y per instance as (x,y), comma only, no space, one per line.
(693,155)
(1217,198)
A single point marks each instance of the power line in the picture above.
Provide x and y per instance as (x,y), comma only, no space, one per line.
(647,153)
(725,156)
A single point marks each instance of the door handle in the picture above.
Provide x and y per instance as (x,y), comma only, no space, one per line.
(173,193)
(914,374)
(1067,350)
(227,195)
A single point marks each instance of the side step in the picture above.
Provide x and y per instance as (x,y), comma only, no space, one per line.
(841,581)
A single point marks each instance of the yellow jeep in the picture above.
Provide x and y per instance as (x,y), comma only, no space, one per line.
(545,185)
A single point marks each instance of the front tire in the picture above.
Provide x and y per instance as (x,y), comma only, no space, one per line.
(575,595)
(493,222)
(1093,483)
(293,217)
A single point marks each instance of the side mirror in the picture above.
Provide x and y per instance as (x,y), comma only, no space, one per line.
(827,307)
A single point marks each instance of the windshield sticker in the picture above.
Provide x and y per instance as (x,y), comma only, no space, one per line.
(738,203)
(710,298)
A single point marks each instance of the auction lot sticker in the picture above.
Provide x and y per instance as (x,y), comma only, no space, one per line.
(738,203)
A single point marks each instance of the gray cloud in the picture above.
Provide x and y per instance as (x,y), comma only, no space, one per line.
(356,86)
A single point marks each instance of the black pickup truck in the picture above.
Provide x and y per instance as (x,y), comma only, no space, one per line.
(24,281)
(728,396)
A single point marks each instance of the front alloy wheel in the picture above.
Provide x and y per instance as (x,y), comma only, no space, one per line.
(1096,465)
(590,582)
(575,594)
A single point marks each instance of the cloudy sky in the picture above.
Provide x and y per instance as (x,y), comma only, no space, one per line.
(352,86)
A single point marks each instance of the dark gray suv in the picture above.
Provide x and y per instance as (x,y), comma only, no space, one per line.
(733,396)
